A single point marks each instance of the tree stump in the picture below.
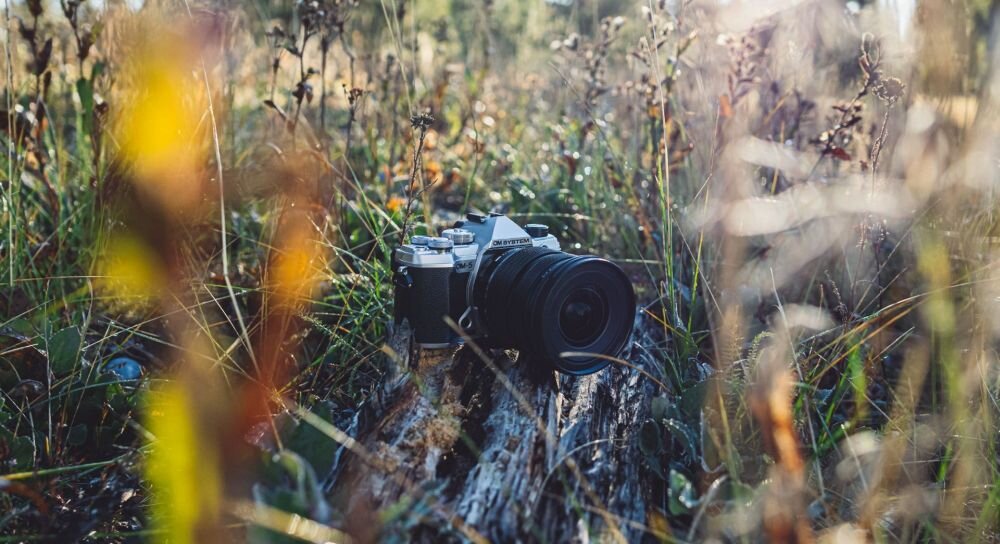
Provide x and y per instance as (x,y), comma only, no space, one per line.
(501,451)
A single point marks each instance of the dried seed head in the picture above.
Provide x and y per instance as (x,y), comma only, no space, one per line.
(890,89)
(421,121)
(353,95)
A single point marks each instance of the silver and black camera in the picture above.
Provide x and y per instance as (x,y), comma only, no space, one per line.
(512,287)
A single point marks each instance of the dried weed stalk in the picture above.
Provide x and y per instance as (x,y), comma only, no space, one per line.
(415,185)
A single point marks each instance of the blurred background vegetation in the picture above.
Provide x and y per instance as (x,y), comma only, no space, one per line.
(200,198)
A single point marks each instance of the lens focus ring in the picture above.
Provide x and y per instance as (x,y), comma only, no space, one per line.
(499,290)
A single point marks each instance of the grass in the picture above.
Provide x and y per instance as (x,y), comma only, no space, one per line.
(804,198)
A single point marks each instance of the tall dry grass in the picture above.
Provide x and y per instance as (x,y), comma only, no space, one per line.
(803,191)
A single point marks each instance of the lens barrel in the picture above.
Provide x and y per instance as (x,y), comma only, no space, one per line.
(548,303)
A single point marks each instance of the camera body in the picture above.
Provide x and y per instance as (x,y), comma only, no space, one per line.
(432,274)
(499,282)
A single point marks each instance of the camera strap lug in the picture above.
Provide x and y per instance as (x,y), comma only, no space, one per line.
(468,321)
(402,278)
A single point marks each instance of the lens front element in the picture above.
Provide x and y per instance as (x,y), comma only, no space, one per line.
(570,311)
(583,317)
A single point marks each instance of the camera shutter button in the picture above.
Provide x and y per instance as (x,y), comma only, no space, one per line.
(419,240)
(439,243)
(459,236)
(536,231)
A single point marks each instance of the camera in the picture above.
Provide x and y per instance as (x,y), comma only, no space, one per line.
(512,287)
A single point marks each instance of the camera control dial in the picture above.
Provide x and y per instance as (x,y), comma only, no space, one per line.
(440,243)
(459,236)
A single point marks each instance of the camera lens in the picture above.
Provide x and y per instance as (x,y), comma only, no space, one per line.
(564,309)
(583,317)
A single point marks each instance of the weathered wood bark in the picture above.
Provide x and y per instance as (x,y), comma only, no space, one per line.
(505,453)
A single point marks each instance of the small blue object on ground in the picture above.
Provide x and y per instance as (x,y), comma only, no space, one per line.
(125,368)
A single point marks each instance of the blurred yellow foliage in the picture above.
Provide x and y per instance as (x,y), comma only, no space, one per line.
(293,269)
(184,476)
(129,269)
(158,130)
(297,270)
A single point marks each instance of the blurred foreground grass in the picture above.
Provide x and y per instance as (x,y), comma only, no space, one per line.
(199,201)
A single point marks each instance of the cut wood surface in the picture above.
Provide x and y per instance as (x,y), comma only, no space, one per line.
(504,451)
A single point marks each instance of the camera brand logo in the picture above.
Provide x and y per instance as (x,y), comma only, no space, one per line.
(511,242)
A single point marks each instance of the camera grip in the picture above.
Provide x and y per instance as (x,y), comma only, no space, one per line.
(428,302)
